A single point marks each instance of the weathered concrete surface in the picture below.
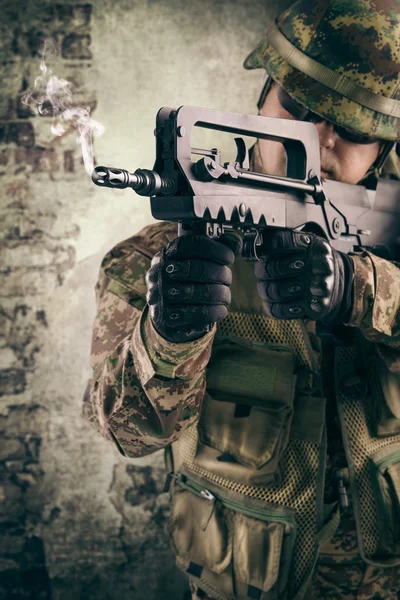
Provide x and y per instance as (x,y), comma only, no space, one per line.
(77,520)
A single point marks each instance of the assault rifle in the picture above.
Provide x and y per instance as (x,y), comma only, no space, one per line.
(207,197)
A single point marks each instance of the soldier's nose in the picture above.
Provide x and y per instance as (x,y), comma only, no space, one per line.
(327,134)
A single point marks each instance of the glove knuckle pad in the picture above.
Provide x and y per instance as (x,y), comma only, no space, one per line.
(176,269)
(302,239)
(197,271)
(197,316)
(177,293)
(198,294)
(187,316)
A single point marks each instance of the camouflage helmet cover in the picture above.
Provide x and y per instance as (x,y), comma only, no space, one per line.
(340,59)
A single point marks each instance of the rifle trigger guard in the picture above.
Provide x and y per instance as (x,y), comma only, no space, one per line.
(251,239)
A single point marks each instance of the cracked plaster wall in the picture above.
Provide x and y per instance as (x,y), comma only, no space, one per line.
(76,519)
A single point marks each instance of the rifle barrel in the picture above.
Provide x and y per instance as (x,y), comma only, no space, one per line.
(143,181)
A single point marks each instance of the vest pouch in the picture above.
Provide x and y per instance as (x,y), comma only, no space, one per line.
(200,531)
(201,537)
(385,466)
(383,395)
(385,399)
(235,547)
(262,556)
(245,419)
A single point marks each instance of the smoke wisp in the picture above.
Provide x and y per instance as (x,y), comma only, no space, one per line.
(53,96)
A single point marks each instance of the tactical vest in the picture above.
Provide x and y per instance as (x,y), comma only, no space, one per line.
(247,515)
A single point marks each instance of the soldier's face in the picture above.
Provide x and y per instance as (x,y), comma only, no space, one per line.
(341,160)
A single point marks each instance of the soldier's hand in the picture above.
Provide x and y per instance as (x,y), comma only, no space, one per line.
(304,277)
(188,285)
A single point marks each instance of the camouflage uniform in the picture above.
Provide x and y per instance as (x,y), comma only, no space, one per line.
(146,392)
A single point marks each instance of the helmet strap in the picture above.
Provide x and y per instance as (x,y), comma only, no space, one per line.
(386,148)
(268,81)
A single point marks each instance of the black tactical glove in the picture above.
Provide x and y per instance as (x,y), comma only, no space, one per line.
(188,285)
(304,277)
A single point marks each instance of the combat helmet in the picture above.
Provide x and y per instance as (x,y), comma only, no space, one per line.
(341,60)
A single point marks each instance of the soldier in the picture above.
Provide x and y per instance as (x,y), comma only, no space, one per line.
(284,462)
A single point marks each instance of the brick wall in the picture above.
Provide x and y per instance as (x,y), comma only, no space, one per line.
(37,252)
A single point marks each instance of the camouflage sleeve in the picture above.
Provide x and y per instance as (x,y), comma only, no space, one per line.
(144,391)
(376,308)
